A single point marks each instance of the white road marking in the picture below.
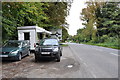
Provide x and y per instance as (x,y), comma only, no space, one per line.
(114,54)
(55,68)
(90,71)
(79,44)
(81,59)
(93,75)
(98,49)
(63,58)
(85,64)
(110,53)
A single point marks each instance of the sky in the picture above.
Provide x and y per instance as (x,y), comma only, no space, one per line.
(73,19)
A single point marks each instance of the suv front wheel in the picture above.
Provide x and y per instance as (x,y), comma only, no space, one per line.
(58,57)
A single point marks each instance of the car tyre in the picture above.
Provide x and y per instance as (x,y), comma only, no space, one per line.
(58,58)
(19,57)
(28,53)
(60,53)
(36,58)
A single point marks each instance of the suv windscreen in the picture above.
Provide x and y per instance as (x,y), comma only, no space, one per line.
(49,42)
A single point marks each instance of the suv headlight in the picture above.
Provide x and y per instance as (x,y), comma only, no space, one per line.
(55,50)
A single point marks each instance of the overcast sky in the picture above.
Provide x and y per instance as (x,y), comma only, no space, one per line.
(74,18)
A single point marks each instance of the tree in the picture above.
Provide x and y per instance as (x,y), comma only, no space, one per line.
(101,22)
(89,18)
(108,19)
(57,11)
(16,14)
(64,34)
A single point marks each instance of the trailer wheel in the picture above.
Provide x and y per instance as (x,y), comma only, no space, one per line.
(36,58)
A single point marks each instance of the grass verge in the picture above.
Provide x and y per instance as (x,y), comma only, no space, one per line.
(105,45)
(64,45)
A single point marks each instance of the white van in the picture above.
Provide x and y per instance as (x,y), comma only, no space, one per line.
(33,34)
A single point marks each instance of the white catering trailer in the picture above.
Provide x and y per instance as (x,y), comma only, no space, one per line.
(33,34)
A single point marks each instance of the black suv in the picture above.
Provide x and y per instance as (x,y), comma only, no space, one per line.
(48,48)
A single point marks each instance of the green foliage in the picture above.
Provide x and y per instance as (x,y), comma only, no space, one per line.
(111,42)
(103,39)
(90,20)
(16,14)
(57,12)
(102,24)
(64,34)
(108,19)
(64,45)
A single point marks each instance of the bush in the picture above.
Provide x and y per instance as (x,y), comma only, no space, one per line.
(95,40)
(112,42)
(103,39)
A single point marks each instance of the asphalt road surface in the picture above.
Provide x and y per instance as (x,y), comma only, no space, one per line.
(101,62)
(78,61)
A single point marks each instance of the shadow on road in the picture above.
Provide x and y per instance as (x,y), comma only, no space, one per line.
(8,61)
(44,60)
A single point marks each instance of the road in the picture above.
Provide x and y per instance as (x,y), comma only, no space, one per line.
(101,62)
(78,61)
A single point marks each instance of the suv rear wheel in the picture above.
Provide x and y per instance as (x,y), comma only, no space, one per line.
(36,58)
